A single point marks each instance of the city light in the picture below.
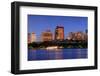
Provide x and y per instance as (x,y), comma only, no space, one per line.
(57,35)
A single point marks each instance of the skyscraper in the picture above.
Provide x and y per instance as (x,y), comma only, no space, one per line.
(33,37)
(47,36)
(59,33)
(77,36)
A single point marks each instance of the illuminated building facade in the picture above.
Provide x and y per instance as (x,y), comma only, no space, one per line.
(71,36)
(77,36)
(33,37)
(47,36)
(59,33)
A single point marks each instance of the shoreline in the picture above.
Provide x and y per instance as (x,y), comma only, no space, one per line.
(55,49)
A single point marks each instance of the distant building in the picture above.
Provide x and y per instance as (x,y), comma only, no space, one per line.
(85,36)
(82,36)
(68,38)
(29,38)
(47,36)
(59,33)
(38,38)
(77,36)
(33,37)
(71,36)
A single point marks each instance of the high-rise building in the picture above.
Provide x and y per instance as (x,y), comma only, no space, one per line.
(77,36)
(29,38)
(47,36)
(59,33)
(33,37)
(71,36)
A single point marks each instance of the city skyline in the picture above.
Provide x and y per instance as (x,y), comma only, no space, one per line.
(47,35)
(40,23)
(57,37)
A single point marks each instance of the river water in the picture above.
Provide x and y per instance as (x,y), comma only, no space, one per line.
(56,54)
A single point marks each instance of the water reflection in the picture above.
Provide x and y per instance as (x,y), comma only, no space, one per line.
(56,54)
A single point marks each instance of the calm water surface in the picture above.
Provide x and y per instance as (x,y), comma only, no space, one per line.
(56,54)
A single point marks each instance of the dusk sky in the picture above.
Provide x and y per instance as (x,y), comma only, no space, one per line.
(40,23)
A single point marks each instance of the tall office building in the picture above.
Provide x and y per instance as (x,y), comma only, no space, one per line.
(47,36)
(77,36)
(33,37)
(59,33)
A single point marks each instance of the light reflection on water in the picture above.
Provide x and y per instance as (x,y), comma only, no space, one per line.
(56,54)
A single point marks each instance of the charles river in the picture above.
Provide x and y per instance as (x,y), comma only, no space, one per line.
(57,54)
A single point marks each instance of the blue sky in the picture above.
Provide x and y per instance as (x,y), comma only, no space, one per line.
(40,23)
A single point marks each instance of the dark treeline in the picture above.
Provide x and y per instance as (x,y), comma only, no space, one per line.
(64,44)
